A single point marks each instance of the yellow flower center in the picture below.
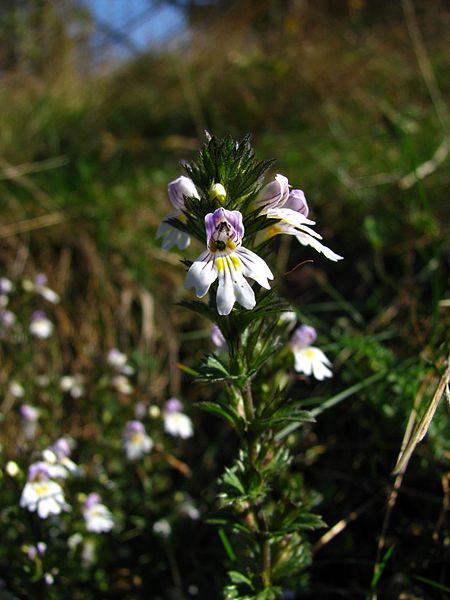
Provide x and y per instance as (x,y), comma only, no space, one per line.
(41,489)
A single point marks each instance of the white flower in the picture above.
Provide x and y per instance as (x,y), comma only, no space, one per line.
(178,190)
(16,389)
(136,441)
(12,468)
(98,518)
(40,326)
(58,461)
(73,384)
(41,494)
(116,359)
(291,211)
(228,261)
(177,423)
(294,223)
(29,421)
(122,385)
(39,286)
(6,286)
(162,528)
(309,359)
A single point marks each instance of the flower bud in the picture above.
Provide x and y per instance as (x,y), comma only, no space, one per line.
(218,192)
(181,188)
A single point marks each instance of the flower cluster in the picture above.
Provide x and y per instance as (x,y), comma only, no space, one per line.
(226,258)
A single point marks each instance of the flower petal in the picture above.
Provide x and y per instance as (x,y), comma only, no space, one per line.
(255,267)
(202,274)
(294,223)
(232,286)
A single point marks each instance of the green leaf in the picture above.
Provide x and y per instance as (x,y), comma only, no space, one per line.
(238,577)
(291,412)
(230,479)
(220,410)
(213,369)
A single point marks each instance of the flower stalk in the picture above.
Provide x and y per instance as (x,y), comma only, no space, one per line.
(263,503)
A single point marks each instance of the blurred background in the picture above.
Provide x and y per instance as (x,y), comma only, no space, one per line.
(101,99)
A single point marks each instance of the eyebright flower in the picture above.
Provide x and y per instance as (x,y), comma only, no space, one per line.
(98,518)
(41,288)
(6,286)
(122,384)
(118,361)
(162,528)
(16,389)
(73,384)
(178,190)
(136,441)
(57,458)
(40,326)
(41,494)
(228,261)
(29,422)
(175,422)
(308,358)
(217,338)
(291,211)
(274,194)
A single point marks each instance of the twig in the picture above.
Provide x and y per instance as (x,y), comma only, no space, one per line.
(424,62)
(342,524)
(426,168)
(16,171)
(32,224)
(424,423)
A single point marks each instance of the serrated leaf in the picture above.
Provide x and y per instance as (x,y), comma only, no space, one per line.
(220,410)
(230,479)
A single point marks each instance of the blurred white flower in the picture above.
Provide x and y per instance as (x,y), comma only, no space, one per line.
(41,493)
(309,359)
(162,528)
(58,461)
(39,286)
(217,338)
(116,359)
(16,389)
(175,422)
(29,420)
(74,541)
(6,286)
(40,326)
(98,518)
(136,441)
(72,384)
(122,384)
(12,468)
(119,362)
(88,553)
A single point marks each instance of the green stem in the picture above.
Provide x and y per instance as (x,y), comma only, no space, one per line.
(247,397)
(266,564)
